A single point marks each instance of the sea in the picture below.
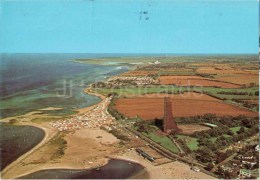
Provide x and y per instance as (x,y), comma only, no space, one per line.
(34,81)
(30,82)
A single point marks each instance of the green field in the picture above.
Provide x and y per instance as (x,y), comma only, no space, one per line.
(163,141)
(235,129)
(191,142)
(213,139)
(132,90)
(215,92)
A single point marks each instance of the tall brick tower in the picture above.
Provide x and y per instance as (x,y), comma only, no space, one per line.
(168,122)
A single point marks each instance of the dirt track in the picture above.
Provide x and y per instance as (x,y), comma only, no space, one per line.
(191,128)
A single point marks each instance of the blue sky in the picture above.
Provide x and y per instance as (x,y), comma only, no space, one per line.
(129,26)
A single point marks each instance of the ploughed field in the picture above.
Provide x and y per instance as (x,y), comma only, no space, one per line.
(195,81)
(183,105)
(239,78)
(233,75)
(226,70)
(253,101)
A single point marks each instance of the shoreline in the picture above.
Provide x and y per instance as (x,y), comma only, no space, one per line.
(86,134)
(47,136)
(88,108)
(98,168)
(49,133)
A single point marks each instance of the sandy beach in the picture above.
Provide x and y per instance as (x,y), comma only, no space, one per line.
(83,146)
(86,148)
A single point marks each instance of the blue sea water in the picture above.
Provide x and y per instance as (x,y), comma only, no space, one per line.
(33,81)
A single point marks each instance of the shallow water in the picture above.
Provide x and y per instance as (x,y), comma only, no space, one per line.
(35,81)
(115,169)
(17,140)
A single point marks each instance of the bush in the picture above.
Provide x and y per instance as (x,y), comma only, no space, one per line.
(209,167)
(257,93)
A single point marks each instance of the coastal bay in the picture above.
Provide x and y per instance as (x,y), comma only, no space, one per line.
(39,99)
(80,142)
(17,140)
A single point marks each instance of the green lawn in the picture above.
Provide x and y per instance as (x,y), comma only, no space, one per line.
(213,139)
(214,91)
(235,129)
(163,141)
(191,142)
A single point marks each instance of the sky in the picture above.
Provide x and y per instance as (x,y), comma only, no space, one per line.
(129,26)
